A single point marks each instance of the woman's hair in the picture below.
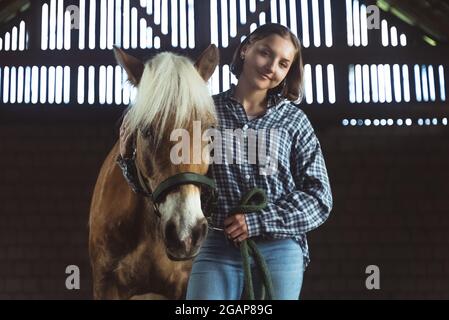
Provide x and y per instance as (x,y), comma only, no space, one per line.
(291,87)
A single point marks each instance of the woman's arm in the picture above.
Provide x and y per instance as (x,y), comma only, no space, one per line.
(309,205)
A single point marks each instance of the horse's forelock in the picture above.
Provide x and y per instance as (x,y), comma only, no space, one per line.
(171,94)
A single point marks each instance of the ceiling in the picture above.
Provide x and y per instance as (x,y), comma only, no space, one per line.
(430,16)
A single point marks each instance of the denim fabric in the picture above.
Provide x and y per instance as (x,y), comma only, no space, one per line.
(217,272)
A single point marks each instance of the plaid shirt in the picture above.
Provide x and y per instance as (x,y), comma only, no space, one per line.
(298,190)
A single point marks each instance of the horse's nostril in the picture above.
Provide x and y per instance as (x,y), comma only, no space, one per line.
(199,232)
(170,231)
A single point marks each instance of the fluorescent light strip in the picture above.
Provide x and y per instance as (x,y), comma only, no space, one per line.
(66,84)
(19,84)
(225,78)
(118,84)
(52,44)
(397,83)
(67,30)
(274,11)
(44,27)
(308,83)
(174,23)
(134,28)
(118,23)
(92,24)
(388,85)
(103,24)
(149,7)
(351,81)
(417,83)
(349,23)
(126,24)
(22,35)
(164,17)
(374,84)
(157,11)
(327,22)
(5,84)
(7,41)
(358,84)
(319,84)
(252,5)
(149,37)
(431,84)
(394,36)
(305,23)
(191,24)
(233,18)
(356,17)
(125,88)
(214,22)
(381,78)
(406,82)
(442,83)
(224,23)
(143,33)
(293,18)
(91,86)
(425,86)
(403,40)
(283,12)
(82,26)
(102,85)
(109,84)
(384,30)
(13,94)
(262,19)
(51,84)
(110,26)
(14,39)
(366,85)
(183,23)
(316,23)
(80,85)
(331,83)
(35,84)
(363,26)
(242,11)
(27,84)
(43,85)
(60,26)
(59,83)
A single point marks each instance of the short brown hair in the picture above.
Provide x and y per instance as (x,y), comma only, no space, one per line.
(291,87)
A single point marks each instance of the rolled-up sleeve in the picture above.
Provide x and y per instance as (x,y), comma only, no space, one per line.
(306,207)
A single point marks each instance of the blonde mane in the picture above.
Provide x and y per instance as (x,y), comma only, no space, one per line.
(171,94)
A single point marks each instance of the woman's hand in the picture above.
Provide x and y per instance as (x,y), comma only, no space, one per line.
(236,228)
(126,139)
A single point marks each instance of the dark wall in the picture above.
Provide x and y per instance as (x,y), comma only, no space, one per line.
(390,187)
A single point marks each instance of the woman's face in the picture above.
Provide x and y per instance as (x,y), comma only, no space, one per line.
(267,62)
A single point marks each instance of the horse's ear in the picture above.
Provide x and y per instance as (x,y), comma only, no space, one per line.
(207,62)
(133,66)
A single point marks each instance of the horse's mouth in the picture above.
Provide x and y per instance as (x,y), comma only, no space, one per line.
(174,258)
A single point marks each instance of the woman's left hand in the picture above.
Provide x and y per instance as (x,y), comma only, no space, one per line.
(236,228)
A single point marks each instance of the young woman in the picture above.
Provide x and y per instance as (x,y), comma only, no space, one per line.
(269,69)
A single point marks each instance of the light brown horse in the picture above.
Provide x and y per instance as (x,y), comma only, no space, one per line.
(134,251)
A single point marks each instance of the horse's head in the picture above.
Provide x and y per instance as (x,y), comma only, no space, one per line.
(172,96)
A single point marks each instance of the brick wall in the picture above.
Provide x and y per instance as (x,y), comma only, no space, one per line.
(390,189)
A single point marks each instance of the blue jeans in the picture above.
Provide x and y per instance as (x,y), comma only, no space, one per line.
(217,271)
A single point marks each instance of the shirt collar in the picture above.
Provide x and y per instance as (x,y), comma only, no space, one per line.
(274,100)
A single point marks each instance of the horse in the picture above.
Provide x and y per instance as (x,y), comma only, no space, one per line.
(140,245)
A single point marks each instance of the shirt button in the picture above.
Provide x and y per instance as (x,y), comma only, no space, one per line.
(245,127)
(247,177)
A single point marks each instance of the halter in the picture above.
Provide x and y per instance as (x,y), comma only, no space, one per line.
(206,184)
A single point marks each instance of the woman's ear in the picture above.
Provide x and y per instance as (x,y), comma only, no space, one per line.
(133,66)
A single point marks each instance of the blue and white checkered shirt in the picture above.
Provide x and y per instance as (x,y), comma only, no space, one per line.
(294,175)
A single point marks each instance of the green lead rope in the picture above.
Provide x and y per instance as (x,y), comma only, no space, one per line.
(254,200)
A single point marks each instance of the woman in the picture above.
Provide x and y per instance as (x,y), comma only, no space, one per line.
(268,66)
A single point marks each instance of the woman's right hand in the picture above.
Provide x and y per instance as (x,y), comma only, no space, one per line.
(126,139)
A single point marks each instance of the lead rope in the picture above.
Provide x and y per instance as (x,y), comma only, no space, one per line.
(254,200)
